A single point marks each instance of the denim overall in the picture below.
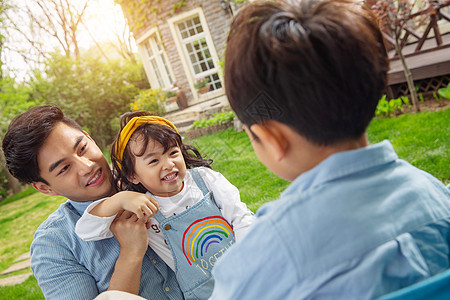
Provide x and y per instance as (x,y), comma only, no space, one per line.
(197,237)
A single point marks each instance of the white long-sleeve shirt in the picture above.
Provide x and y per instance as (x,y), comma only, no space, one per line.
(226,196)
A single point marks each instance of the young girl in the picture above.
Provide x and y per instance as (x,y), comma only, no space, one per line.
(200,213)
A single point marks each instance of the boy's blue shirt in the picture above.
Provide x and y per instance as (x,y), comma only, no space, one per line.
(66,267)
(360,224)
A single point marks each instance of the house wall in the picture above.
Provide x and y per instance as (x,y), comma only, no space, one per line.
(218,22)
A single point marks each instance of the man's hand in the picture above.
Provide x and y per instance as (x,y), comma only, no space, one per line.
(130,233)
(132,237)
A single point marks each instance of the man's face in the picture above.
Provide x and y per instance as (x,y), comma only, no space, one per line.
(73,166)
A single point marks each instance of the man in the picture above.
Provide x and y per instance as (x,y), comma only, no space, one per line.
(357,222)
(47,149)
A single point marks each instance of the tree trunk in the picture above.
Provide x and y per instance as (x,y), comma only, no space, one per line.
(408,76)
(13,183)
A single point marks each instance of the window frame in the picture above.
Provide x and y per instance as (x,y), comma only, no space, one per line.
(184,56)
(151,38)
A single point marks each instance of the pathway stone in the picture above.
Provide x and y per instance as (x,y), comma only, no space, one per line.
(26,255)
(18,279)
(19,266)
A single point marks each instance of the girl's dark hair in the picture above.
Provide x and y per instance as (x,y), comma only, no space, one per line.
(162,134)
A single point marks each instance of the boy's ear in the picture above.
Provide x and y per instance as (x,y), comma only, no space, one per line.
(272,135)
(44,188)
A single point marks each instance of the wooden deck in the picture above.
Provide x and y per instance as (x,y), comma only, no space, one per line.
(431,62)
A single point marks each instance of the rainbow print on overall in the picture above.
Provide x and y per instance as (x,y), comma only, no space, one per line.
(201,234)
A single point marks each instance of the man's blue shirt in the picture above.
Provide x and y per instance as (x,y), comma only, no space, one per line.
(66,267)
(360,224)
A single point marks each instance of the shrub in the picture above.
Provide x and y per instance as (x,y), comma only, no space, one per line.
(151,100)
(445,92)
(200,83)
(169,94)
(219,118)
(386,108)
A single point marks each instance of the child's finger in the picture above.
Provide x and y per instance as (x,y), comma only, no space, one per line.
(153,207)
(146,218)
(148,212)
(153,201)
(140,212)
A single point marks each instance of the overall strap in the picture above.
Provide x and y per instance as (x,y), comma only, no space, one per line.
(199,181)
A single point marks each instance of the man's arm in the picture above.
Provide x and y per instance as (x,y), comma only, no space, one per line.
(133,239)
(59,274)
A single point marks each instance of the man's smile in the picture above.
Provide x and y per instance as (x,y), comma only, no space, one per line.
(96,179)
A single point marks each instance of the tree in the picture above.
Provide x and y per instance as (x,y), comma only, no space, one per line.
(120,39)
(11,100)
(14,99)
(395,21)
(59,19)
(91,91)
(37,27)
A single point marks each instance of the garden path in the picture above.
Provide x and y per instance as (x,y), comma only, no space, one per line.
(21,263)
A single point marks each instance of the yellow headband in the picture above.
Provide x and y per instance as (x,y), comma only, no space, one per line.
(131,127)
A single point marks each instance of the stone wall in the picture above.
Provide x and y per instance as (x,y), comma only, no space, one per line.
(218,21)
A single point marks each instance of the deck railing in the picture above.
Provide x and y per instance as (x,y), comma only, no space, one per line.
(433,13)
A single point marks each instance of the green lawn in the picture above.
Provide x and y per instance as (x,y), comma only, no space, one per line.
(233,156)
(18,221)
(422,139)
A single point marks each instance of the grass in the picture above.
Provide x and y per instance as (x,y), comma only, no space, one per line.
(234,157)
(30,190)
(422,139)
(27,290)
(20,215)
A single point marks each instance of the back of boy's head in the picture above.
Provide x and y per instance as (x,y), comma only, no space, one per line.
(25,136)
(163,134)
(318,66)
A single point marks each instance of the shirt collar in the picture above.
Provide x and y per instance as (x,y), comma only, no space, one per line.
(344,163)
(80,207)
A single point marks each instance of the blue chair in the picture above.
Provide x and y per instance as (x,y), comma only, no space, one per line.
(433,288)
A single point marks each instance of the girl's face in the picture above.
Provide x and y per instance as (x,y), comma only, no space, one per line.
(162,174)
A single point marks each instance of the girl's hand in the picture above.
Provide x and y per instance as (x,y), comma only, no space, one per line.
(140,204)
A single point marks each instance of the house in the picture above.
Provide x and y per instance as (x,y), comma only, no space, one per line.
(180,43)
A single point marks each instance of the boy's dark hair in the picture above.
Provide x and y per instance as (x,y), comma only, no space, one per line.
(318,66)
(26,134)
(164,135)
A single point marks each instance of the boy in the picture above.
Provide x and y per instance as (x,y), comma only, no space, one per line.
(357,222)
(47,149)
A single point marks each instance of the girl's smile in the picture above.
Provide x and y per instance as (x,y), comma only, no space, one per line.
(161,173)
(172,177)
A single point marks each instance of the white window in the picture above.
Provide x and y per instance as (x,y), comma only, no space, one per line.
(155,62)
(195,44)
